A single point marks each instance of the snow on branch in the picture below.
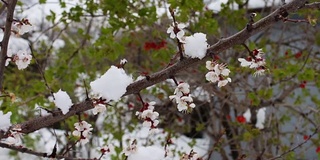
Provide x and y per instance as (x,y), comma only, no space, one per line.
(222,45)
(46,121)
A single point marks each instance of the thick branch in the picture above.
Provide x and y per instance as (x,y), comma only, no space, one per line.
(5,40)
(220,46)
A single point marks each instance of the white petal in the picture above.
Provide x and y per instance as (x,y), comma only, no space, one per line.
(170,29)
(244,62)
(180,34)
(225,72)
(181,26)
(172,35)
(209,65)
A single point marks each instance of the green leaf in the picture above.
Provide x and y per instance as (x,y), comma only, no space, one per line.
(253,97)
(42,1)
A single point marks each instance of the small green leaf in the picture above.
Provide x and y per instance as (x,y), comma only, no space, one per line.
(42,1)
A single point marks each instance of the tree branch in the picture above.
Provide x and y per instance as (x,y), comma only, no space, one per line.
(136,87)
(5,40)
(39,154)
(220,46)
(56,116)
(314,5)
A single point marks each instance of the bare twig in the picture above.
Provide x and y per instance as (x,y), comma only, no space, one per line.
(295,147)
(41,72)
(314,5)
(39,154)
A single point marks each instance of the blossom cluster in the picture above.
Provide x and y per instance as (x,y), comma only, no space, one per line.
(176,31)
(217,73)
(255,61)
(14,137)
(106,149)
(191,156)
(149,116)
(131,149)
(83,129)
(183,97)
(99,106)
(21,59)
(22,27)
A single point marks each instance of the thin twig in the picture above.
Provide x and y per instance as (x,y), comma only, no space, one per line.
(41,72)
(297,146)
(314,5)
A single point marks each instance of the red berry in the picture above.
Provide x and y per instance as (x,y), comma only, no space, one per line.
(302,85)
(318,150)
(216,57)
(298,55)
(241,119)
(306,137)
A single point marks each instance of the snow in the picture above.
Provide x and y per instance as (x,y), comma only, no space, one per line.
(112,85)
(216,5)
(149,152)
(196,45)
(261,116)
(62,100)
(247,115)
(5,120)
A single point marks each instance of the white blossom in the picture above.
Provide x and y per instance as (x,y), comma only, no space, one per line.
(22,58)
(123,61)
(22,27)
(210,65)
(179,35)
(244,62)
(259,72)
(185,102)
(131,149)
(149,116)
(217,73)
(182,97)
(212,77)
(83,129)
(99,108)
(107,149)
(224,82)
(14,137)
(182,88)
(256,62)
